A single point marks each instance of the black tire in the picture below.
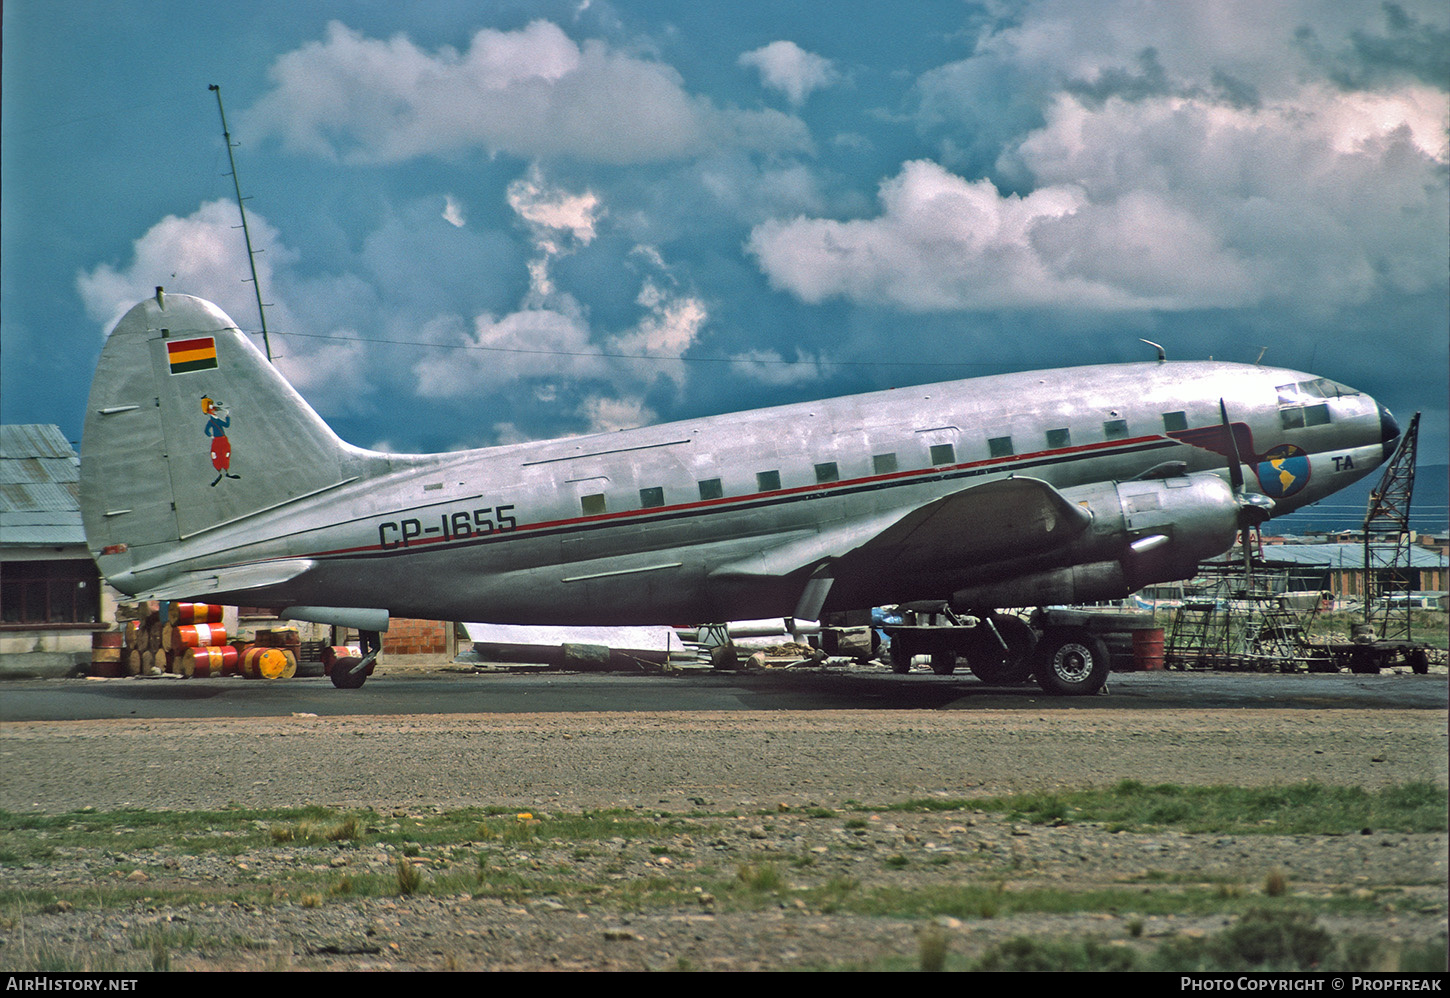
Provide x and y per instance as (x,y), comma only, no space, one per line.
(1364,662)
(344,677)
(991,664)
(1071,662)
(943,663)
(900,656)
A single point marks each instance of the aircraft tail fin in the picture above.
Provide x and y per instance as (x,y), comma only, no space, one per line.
(189,428)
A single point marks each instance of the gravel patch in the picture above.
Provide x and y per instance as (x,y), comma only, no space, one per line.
(781,790)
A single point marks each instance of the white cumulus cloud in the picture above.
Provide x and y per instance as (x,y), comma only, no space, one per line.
(785,66)
(531,92)
(1160,202)
(453,212)
(204,254)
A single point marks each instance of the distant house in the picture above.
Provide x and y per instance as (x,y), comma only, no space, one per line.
(51,596)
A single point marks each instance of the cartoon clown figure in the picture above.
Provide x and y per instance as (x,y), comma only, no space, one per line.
(216,427)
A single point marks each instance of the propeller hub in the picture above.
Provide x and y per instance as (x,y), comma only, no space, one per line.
(1254,509)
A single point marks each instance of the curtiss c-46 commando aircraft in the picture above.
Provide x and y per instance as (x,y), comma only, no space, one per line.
(205,475)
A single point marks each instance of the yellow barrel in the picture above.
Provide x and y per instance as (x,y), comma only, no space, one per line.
(260,662)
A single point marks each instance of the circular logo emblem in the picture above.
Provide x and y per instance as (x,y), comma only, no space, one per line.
(1283,471)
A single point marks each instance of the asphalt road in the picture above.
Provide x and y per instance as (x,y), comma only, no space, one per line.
(416,693)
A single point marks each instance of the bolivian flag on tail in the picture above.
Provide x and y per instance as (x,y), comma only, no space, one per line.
(192,355)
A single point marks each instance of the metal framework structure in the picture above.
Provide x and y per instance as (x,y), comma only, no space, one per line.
(1386,564)
(1240,620)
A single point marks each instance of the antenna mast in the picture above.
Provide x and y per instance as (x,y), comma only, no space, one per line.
(246,233)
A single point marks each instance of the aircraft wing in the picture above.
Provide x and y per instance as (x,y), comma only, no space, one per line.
(1012,516)
(1009,517)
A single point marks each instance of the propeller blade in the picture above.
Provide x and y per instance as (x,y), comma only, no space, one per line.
(1254,509)
(1235,465)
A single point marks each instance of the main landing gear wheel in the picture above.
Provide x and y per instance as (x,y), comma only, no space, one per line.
(943,663)
(900,656)
(1005,667)
(1070,662)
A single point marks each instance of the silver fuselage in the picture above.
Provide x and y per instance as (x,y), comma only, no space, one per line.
(634,526)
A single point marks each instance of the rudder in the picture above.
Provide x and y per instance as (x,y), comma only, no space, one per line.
(188,428)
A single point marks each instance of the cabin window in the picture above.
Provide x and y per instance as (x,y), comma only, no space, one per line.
(710,489)
(883,464)
(1057,439)
(767,481)
(1000,446)
(1174,421)
(651,497)
(943,454)
(827,472)
(1115,429)
(592,505)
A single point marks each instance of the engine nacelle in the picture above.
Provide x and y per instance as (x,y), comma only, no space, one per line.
(1142,532)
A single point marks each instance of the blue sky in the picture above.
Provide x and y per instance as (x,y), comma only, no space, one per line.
(484,222)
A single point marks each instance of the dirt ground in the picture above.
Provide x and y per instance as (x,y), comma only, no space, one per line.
(767,776)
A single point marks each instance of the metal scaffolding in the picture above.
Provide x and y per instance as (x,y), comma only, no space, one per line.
(1240,618)
(1386,564)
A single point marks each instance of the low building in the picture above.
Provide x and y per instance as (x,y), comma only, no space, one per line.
(52,599)
(1339,568)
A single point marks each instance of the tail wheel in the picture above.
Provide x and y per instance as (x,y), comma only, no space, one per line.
(1071,662)
(345,676)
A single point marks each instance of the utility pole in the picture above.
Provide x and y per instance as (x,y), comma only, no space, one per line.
(246,233)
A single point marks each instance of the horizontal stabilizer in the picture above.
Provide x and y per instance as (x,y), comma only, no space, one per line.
(230,580)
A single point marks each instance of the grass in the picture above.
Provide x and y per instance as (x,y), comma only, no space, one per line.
(1260,940)
(1298,809)
(636,860)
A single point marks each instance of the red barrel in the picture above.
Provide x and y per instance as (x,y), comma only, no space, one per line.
(332,653)
(1148,649)
(106,653)
(223,660)
(198,636)
(194,613)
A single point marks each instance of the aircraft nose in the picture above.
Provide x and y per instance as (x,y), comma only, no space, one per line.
(1389,431)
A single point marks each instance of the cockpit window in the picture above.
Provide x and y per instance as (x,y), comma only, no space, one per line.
(1303,392)
(1299,403)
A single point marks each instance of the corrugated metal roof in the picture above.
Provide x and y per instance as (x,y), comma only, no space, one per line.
(38,469)
(45,496)
(39,487)
(1344,555)
(19,440)
(41,530)
(24,470)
